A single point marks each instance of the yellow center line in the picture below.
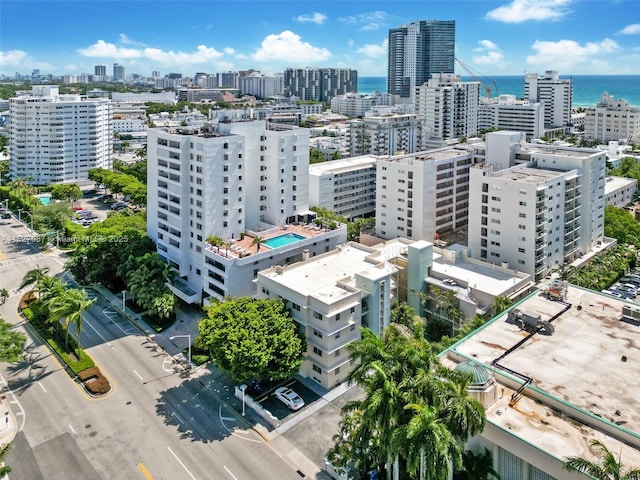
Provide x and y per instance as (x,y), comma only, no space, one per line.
(144,471)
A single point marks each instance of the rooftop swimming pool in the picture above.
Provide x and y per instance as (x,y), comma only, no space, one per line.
(282,240)
(44,199)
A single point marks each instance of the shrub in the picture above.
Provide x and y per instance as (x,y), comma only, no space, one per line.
(94,381)
(199,359)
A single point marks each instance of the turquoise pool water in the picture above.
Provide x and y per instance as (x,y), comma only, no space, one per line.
(45,199)
(281,240)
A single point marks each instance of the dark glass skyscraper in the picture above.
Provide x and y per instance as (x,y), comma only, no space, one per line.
(418,50)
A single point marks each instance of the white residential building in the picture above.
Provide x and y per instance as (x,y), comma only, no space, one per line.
(356,104)
(319,84)
(548,395)
(332,295)
(346,187)
(612,120)
(537,207)
(236,181)
(506,112)
(262,86)
(620,191)
(556,93)
(382,132)
(448,105)
(57,138)
(421,195)
(160,97)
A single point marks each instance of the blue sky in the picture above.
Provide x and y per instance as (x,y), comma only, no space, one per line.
(503,37)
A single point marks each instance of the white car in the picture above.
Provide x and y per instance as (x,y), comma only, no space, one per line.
(290,398)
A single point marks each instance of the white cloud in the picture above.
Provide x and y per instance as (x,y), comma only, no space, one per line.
(488,54)
(127,41)
(373,50)
(632,29)
(287,47)
(314,17)
(369,20)
(568,53)
(229,51)
(12,57)
(19,60)
(519,11)
(102,49)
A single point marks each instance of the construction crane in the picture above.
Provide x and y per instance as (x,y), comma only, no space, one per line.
(487,88)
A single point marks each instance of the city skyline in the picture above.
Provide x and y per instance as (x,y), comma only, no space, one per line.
(501,37)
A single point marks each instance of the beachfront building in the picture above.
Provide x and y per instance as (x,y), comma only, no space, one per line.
(244,183)
(553,376)
(422,195)
(620,191)
(540,206)
(262,86)
(612,120)
(555,93)
(332,295)
(416,52)
(319,84)
(382,132)
(346,187)
(448,105)
(506,112)
(57,138)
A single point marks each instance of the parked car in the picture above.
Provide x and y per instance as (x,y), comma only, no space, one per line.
(5,215)
(118,205)
(612,293)
(625,295)
(631,280)
(88,193)
(84,213)
(624,290)
(102,198)
(290,398)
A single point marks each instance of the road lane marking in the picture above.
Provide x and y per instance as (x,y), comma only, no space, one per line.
(42,387)
(21,412)
(239,434)
(144,471)
(183,465)
(71,428)
(107,313)
(92,328)
(180,419)
(139,376)
(229,472)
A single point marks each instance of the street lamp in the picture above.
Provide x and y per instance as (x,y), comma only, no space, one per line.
(189,339)
(6,203)
(28,213)
(124,296)
(243,387)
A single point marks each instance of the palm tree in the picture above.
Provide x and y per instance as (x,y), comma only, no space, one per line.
(4,294)
(257,241)
(69,307)
(4,451)
(34,275)
(607,467)
(476,467)
(225,244)
(214,241)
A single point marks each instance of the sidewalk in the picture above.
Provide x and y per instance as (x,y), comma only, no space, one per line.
(8,425)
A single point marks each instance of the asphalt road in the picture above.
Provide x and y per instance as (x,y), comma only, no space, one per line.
(156,423)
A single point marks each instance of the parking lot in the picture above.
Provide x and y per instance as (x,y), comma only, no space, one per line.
(278,409)
(91,202)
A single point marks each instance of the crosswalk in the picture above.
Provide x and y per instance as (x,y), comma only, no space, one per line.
(22,259)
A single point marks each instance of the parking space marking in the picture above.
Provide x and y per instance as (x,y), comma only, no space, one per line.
(139,376)
(229,472)
(97,332)
(42,387)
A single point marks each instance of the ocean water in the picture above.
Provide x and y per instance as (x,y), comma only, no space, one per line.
(587,89)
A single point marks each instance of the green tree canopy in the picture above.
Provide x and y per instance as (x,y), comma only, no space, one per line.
(11,343)
(621,225)
(252,338)
(66,192)
(607,466)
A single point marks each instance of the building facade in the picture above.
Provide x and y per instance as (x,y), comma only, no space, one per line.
(319,84)
(612,120)
(262,86)
(540,211)
(508,113)
(58,138)
(620,191)
(118,73)
(346,187)
(448,105)
(416,52)
(235,181)
(382,132)
(554,92)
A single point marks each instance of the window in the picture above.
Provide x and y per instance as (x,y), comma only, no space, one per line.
(353,310)
(316,333)
(317,351)
(317,368)
(317,315)
(522,227)
(337,317)
(295,306)
(265,291)
(522,215)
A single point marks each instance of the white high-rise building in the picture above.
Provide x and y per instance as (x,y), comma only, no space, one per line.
(612,120)
(448,105)
(537,207)
(57,138)
(262,86)
(382,132)
(556,93)
(236,181)
(422,195)
(506,112)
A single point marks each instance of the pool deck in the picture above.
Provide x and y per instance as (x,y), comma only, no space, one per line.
(244,247)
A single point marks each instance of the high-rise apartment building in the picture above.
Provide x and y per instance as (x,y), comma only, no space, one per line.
(448,105)
(262,86)
(100,71)
(612,120)
(537,207)
(554,92)
(58,138)
(235,181)
(118,73)
(319,84)
(506,112)
(417,51)
(382,132)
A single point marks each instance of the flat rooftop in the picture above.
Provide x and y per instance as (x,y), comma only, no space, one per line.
(341,166)
(615,183)
(589,367)
(528,174)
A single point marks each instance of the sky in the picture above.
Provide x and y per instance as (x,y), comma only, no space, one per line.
(501,37)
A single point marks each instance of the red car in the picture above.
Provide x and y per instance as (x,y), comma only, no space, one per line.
(77,208)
